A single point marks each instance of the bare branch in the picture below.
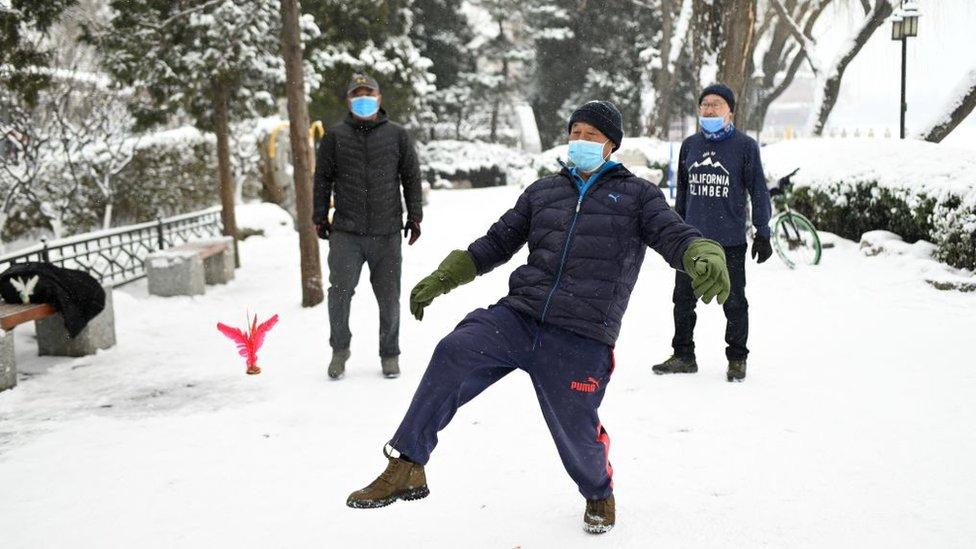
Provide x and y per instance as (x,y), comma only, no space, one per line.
(807,43)
(961,104)
(177,16)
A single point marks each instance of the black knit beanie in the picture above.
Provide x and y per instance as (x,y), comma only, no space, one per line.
(602,115)
(722,91)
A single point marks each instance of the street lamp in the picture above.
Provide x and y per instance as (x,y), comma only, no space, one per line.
(904,24)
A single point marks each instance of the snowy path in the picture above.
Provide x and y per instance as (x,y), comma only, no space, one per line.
(853,429)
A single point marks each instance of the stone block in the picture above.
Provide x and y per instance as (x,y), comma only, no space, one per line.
(53,339)
(219,268)
(8,369)
(175,272)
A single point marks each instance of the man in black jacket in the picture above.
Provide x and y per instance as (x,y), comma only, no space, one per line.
(362,163)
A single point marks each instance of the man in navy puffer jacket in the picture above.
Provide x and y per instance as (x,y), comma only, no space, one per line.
(587,228)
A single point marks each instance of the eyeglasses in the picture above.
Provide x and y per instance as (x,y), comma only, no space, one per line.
(714,105)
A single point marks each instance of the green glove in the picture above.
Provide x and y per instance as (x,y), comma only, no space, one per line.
(456,269)
(704,262)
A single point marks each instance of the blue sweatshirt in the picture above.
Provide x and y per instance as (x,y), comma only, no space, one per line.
(714,178)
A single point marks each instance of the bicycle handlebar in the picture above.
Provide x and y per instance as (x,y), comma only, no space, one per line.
(783,183)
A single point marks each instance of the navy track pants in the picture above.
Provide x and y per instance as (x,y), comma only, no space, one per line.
(569,372)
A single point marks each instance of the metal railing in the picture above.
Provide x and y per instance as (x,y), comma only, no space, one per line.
(116,256)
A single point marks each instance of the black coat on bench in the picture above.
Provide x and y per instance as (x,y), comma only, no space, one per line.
(75,294)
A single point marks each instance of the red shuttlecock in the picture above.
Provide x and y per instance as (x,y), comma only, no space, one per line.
(249,341)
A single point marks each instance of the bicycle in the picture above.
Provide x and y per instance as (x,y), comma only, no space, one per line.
(794,238)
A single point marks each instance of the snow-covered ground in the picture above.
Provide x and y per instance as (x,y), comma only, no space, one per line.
(853,429)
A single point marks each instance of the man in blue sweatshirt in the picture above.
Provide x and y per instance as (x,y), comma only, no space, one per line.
(587,228)
(719,170)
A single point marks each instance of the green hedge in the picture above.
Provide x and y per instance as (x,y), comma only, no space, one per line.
(851,210)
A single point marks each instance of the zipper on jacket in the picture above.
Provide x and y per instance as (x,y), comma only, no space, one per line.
(562,261)
(366,221)
(559,272)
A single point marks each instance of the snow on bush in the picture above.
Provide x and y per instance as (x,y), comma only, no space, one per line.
(172,172)
(916,189)
(473,163)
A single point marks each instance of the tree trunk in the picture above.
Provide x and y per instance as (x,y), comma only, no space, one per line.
(291,47)
(960,105)
(224,171)
(493,126)
(831,87)
(735,63)
(107,216)
(660,120)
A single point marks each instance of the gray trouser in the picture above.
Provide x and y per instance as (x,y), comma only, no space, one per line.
(347,253)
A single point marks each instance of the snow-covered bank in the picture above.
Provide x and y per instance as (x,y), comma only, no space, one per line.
(853,428)
(891,163)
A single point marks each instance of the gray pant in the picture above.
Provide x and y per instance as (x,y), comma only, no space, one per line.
(347,253)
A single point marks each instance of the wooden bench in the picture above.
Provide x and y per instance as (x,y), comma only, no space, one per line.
(13,315)
(52,336)
(188,268)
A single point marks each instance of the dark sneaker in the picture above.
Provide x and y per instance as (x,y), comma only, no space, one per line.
(737,370)
(391,367)
(402,479)
(676,365)
(337,368)
(600,515)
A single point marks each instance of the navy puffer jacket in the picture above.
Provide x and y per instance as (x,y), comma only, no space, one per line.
(584,252)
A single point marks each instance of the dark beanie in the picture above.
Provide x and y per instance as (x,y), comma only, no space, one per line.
(722,91)
(602,115)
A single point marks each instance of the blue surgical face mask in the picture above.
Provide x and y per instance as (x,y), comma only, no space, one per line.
(587,156)
(712,124)
(364,106)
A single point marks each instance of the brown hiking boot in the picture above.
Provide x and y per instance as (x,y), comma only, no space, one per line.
(391,366)
(600,515)
(737,370)
(676,365)
(402,479)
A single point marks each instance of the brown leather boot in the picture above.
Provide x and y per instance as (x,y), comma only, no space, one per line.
(402,479)
(600,515)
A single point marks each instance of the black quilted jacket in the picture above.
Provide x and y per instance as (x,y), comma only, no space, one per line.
(364,164)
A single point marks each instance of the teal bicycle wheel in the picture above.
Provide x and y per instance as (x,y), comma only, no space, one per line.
(795,240)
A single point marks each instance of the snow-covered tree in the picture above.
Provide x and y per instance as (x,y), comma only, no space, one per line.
(210,59)
(499,76)
(35,180)
(442,35)
(371,36)
(961,103)
(23,24)
(98,143)
(829,76)
(589,50)
(667,64)
(785,34)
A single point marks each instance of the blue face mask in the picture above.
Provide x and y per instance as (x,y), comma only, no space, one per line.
(712,124)
(587,156)
(364,106)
